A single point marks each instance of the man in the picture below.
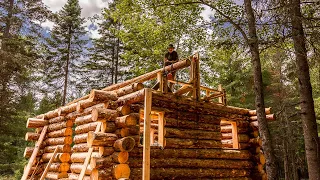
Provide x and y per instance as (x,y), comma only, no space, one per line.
(171,56)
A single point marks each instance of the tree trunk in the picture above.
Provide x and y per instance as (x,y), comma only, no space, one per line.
(271,166)
(116,62)
(306,101)
(67,69)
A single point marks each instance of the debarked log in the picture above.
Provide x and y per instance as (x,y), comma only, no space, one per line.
(36,123)
(59,167)
(59,133)
(104,114)
(126,121)
(100,95)
(66,148)
(98,174)
(60,125)
(120,157)
(56,119)
(67,109)
(86,127)
(194,173)
(79,157)
(77,167)
(105,151)
(135,97)
(254,112)
(101,139)
(60,157)
(128,131)
(124,110)
(73,176)
(194,153)
(80,138)
(100,163)
(241,137)
(56,175)
(191,134)
(193,163)
(29,150)
(228,129)
(59,140)
(31,136)
(269,117)
(83,147)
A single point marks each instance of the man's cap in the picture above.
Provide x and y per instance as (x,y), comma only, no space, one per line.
(170,46)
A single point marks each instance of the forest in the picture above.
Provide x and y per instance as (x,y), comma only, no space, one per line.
(241,43)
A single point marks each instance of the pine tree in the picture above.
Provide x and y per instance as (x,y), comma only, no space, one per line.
(66,48)
(105,60)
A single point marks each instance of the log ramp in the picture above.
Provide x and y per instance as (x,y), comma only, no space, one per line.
(99,137)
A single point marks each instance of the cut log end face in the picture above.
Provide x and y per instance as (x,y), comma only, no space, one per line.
(121,171)
(125,144)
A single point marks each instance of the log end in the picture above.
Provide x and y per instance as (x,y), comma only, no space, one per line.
(121,171)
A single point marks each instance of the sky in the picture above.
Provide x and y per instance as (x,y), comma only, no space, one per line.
(90,8)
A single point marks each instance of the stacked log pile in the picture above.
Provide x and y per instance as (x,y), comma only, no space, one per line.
(192,145)
(256,144)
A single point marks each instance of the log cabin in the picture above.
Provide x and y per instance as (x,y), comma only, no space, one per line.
(132,131)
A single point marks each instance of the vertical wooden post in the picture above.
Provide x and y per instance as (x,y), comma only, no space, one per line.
(224,97)
(49,163)
(160,81)
(161,129)
(146,134)
(235,139)
(220,90)
(196,76)
(34,154)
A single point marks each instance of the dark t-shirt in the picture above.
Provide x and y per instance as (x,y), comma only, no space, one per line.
(171,57)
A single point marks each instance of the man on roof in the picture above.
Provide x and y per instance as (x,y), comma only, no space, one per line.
(171,56)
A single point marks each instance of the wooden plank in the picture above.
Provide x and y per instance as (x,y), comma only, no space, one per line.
(86,161)
(235,139)
(161,129)
(160,81)
(35,152)
(146,134)
(220,97)
(49,163)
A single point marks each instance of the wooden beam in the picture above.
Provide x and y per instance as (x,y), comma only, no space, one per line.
(235,140)
(161,129)
(220,90)
(49,163)
(34,154)
(86,161)
(146,134)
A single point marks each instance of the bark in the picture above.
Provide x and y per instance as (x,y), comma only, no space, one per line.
(67,109)
(193,163)
(60,125)
(306,101)
(80,138)
(121,171)
(135,97)
(79,157)
(60,133)
(186,173)
(100,163)
(56,119)
(30,136)
(59,141)
(59,167)
(83,147)
(77,167)
(56,175)
(36,123)
(177,123)
(126,121)
(52,114)
(101,139)
(83,104)
(191,134)
(67,68)
(191,143)
(83,119)
(66,148)
(106,151)
(86,127)
(100,95)
(104,114)
(29,150)
(271,166)
(108,127)
(124,144)
(60,157)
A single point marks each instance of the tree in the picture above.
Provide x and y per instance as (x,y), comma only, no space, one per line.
(66,49)
(306,100)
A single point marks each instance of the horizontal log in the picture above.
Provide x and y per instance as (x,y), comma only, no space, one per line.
(83,104)
(80,138)
(59,133)
(193,163)
(35,170)
(67,109)
(60,157)
(83,119)
(194,153)
(66,148)
(126,121)
(256,141)
(254,112)
(56,119)
(191,134)
(29,150)
(77,167)
(105,151)
(124,110)
(60,125)
(108,127)
(56,175)
(105,174)
(200,118)
(269,117)
(79,157)
(120,157)
(129,89)
(51,114)
(121,171)
(31,136)
(191,143)
(104,114)
(73,176)
(228,129)
(128,131)
(228,143)
(59,167)
(101,139)
(84,128)
(83,147)
(189,173)
(59,141)
(124,144)
(100,95)
(170,122)
(241,137)
(135,97)
(102,163)
(35,123)
(183,103)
